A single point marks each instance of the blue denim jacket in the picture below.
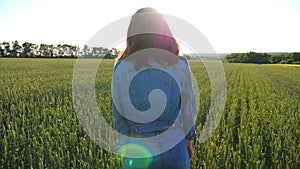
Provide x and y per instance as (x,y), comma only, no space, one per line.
(139,89)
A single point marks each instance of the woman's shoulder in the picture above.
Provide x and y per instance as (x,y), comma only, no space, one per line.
(185,60)
(117,63)
(123,66)
(126,65)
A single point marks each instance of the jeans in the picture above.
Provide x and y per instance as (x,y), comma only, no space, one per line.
(175,158)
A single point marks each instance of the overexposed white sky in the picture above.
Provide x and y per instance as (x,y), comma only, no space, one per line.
(230,26)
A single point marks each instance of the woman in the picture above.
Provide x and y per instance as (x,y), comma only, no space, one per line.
(151,52)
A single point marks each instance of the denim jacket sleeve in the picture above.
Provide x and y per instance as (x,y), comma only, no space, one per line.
(120,121)
(188,104)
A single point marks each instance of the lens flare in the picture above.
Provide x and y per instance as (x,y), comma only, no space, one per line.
(131,153)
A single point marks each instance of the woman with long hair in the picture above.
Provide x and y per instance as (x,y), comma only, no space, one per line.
(150,55)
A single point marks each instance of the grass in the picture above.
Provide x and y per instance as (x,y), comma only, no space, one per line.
(39,128)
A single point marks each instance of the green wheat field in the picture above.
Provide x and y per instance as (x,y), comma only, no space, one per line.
(260,126)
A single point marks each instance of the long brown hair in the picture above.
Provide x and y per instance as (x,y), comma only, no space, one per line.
(161,39)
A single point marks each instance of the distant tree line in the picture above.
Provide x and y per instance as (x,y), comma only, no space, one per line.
(30,50)
(260,58)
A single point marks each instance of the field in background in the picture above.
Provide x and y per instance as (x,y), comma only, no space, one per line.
(39,128)
(286,65)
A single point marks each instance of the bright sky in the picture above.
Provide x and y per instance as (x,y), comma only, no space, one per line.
(230,25)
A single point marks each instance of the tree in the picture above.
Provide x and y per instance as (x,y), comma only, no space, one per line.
(50,50)
(295,56)
(75,51)
(86,51)
(251,57)
(45,50)
(114,52)
(60,50)
(42,49)
(66,50)
(35,50)
(16,49)
(276,58)
(1,50)
(27,49)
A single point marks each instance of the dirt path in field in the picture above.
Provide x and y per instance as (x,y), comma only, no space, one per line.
(285,65)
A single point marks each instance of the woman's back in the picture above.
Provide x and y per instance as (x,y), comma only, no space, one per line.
(156,87)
